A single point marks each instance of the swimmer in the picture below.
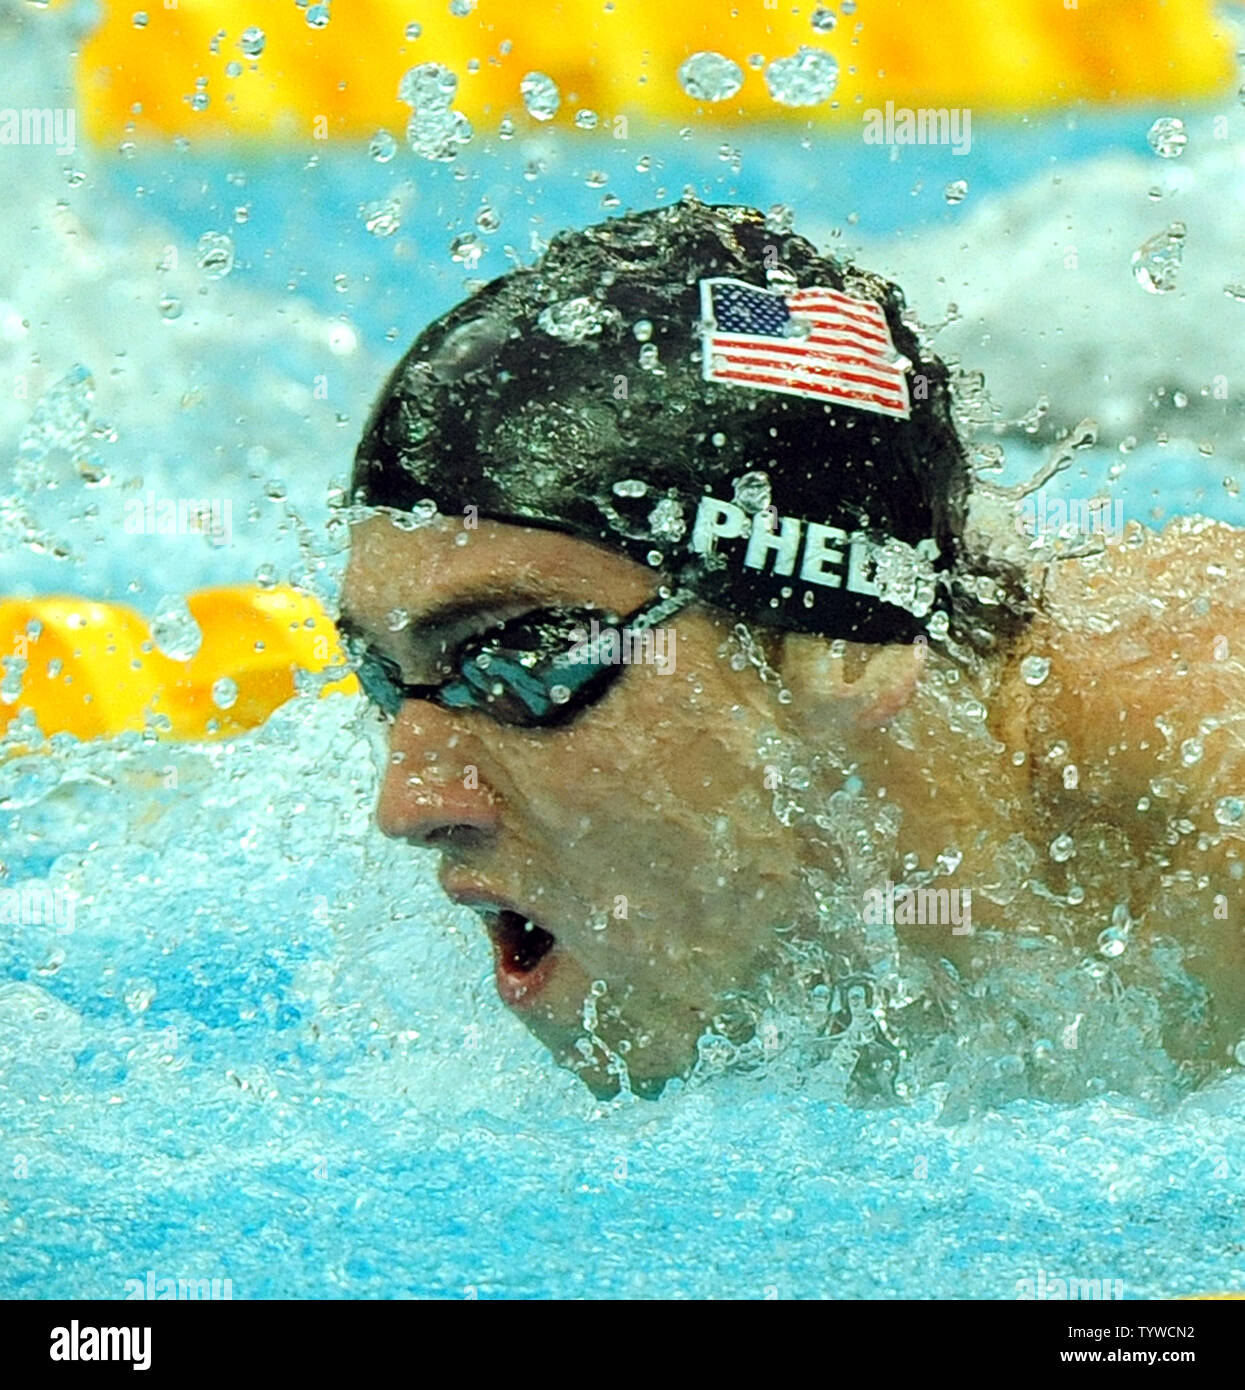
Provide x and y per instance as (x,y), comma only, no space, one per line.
(686,423)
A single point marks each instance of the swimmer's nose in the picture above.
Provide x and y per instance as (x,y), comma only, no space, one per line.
(429,795)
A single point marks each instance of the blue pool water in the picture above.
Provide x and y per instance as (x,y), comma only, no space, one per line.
(268,1049)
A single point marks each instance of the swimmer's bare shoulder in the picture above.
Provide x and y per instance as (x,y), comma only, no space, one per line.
(1146,691)
(1147,650)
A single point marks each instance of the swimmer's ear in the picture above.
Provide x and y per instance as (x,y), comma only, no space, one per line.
(868,685)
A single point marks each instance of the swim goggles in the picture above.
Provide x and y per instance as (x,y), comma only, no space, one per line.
(536,671)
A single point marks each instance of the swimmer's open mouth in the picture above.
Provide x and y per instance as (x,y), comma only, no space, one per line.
(523,954)
(522,959)
(521,944)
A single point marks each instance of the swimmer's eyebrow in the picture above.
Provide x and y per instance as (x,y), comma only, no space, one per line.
(442,619)
(432,631)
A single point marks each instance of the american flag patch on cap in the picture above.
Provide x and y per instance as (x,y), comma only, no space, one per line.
(813,341)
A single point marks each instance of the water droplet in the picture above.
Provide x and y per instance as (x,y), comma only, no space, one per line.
(752,492)
(1112,942)
(666,520)
(806,79)
(630,487)
(823,20)
(1062,848)
(383,147)
(436,133)
(1156,262)
(174,629)
(586,119)
(559,694)
(575,319)
(1191,751)
(1238,1052)
(462,8)
(466,250)
(382,217)
(1167,137)
(140,19)
(1229,810)
(956,191)
(488,219)
(413,31)
(429,86)
(252,41)
(540,96)
(317,16)
(710,76)
(225,693)
(1035,669)
(215,254)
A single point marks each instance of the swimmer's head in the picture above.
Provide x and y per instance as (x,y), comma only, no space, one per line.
(574,394)
(569,461)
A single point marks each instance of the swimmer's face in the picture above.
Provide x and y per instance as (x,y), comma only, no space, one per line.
(638,840)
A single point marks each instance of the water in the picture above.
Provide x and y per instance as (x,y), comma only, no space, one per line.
(266,1047)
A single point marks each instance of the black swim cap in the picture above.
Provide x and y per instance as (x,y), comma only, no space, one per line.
(709,395)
